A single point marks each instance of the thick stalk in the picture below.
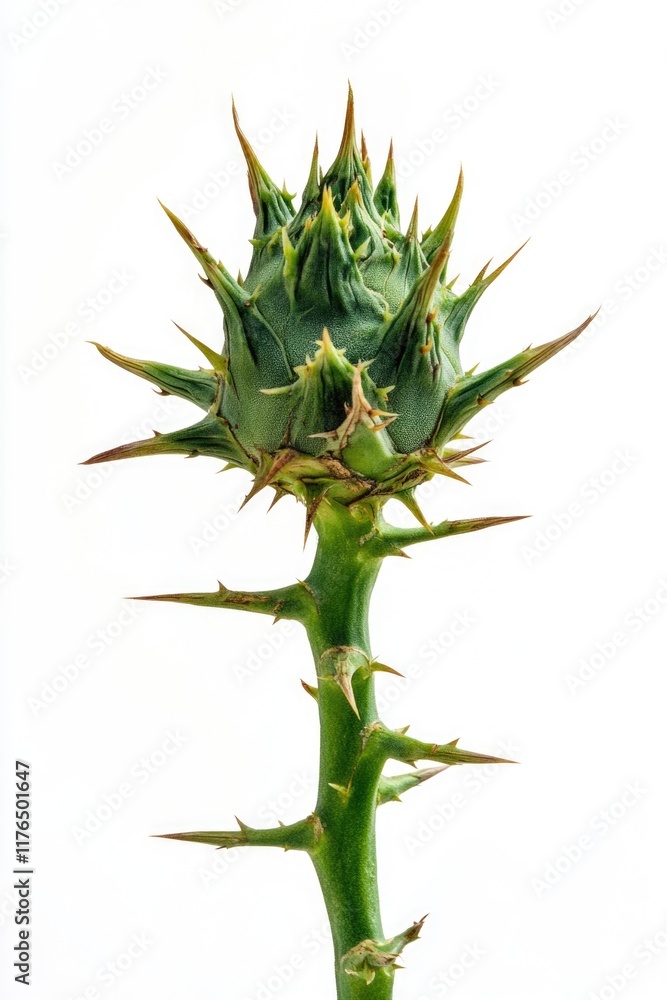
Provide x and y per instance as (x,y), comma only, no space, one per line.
(333,604)
(341,582)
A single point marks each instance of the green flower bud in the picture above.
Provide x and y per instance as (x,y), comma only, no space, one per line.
(341,343)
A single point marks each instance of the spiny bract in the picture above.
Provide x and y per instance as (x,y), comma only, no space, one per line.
(340,373)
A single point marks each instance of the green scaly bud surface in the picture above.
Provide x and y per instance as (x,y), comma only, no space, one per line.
(343,340)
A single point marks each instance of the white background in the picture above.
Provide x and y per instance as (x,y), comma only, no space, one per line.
(519,94)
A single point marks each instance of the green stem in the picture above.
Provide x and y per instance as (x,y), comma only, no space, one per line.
(341,582)
(339,836)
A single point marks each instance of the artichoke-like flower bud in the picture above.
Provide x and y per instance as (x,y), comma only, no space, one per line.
(340,367)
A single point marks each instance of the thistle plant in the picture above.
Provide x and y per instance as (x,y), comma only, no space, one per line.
(340,383)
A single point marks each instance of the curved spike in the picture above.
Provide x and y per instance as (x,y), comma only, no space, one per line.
(328,209)
(455,456)
(392,536)
(353,197)
(344,682)
(313,184)
(348,166)
(384,668)
(444,231)
(348,143)
(278,495)
(292,602)
(311,511)
(339,664)
(499,270)
(411,231)
(271,205)
(474,391)
(409,500)
(392,787)
(301,836)
(309,689)
(433,463)
(329,351)
(458,309)
(217,361)
(228,291)
(385,197)
(212,436)
(420,303)
(399,942)
(343,791)
(290,265)
(480,277)
(310,199)
(369,956)
(432,277)
(255,169)
(406,749)
(218,838)
(269,469)
(482,281)
(365,159)
(199,387)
